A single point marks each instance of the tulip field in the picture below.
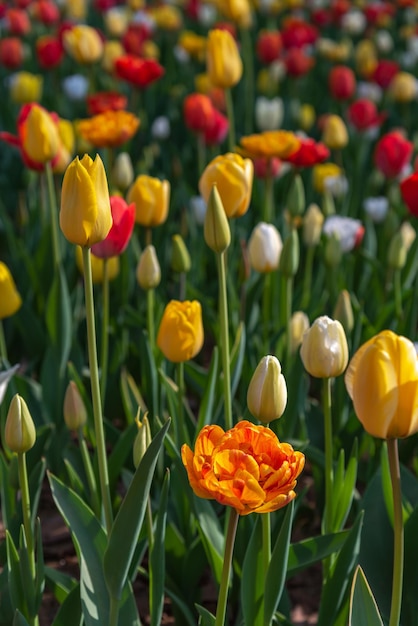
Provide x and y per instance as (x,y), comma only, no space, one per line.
(208,312)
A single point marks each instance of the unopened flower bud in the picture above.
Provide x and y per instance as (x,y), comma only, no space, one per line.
(264,248)
(267,391)
(408,234)
(296,196)
(142,439)
(397,252)
(180,257)
(75,414)
(343,311)
(148,271)
(335,135)
(324,350)
(216,227)
(19,433)
(299,324)
(123,171)
(333,251)
(289,259)
(312,225)
(328,204)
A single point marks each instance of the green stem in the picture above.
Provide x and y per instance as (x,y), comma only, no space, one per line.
(150,318)
(24,492)
(3,346)
(307,277)
(398,545)
(201,153)
(182,430)
(182,286)
(91,480)
(288,293)
(268,194)
(329,472)
(231,119)
(150,524)
(95,391)
(226,569)
(224,338)
(266,308)
(248,57)
(54,215)
(105,328)
(265,520)
(397,286)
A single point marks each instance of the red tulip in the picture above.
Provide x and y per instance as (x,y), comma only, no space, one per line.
(138,72)
(11,52)
(384,72)
(392,153)
(298,62)
(409,191)
(363,114)
(198,112)
(106,101)
(17,22)
(216,132)
(134,37)
(46,12)
(297,33)
(123,216)
(49,50)
(309,153)
(266,168)
(269,46)
(342,82)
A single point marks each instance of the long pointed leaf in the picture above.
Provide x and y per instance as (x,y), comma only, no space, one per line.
(252,580)
(157,557)
(363,607)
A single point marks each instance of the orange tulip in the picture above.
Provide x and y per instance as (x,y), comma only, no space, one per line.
(246,467)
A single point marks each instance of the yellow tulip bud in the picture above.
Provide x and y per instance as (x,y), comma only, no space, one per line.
(321,172)
(382,381)
(403,87)
(97,266)
(343,311)
(19,432)
(83,43)
(10,300)
(151,197)
(75,414)
(85,215)
(324,350)
(123,171)
(216,229)
(148,272)
(116,21)
(142,440)
(224,64)
(238,11)
(42,140)
(299,324)
(111,51)
(265,247)
(307,117)
(312,225)
(267,391)
(180,257)
(26,87)
(335,134)
(180,335)
(233,177)
(75,9)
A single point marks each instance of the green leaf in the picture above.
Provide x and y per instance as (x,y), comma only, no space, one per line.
(205,617)
(206,408)
(59,583)
(16,591)
(7,493)
(131,396)
(410,596)
(309,551)
(340,575)
(157,557)
(19,620)
(276,573)
(237,357)
(211,535)
(5,376)
(120,453)
(252,579)
(59,318)
(127,525)
(343,492)
(363,607)
(70,613)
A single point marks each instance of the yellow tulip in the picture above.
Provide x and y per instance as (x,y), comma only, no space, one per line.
(151,197)
(85,215)
(41,141)
(267,391)
(233,177)
(10,300)
(112,50)
(75,9)
(83,43)
(193,44)
(335,134)
(324,350)
(223,61)
(321,172)
(403,87)
(180,336)
(97,266)
(26,87)
(382,381)
(299,324)
(238,11)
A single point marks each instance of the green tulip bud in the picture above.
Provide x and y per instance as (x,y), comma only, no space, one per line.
(19,433)
(289,259)
(180,257)
(75,414)
(142,439)
(296,197)
(216,227)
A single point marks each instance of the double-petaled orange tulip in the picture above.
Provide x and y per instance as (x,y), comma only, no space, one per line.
(246,467)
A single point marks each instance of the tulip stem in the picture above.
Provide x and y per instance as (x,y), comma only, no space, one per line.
(265,520)
(307,277)
(226,569)
(54,215)
(268,193)
(266,304)
(105,330)
(95,391)
(91,481)
(182,431)
(329,471)
(398,530)
(397,286)
(224,338)
(3,346)
(201,153)
(248,56)
(24,492)
(150,319)
(231,119)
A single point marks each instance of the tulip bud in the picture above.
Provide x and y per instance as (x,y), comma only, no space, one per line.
(265,247)
(19,432)
(269,113)
(216,227)
(343,311)
(42,141)
(408,234)
(123,171)
(267,391)
(335,135)
(403,87)
(397,252)
(289,259)
(324,350)
(10,300)
(296,197)
(75,414)
(312,225)
(299,324)
(142,439)
(224,64)
(148,271)
(333,251)
(180,257)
